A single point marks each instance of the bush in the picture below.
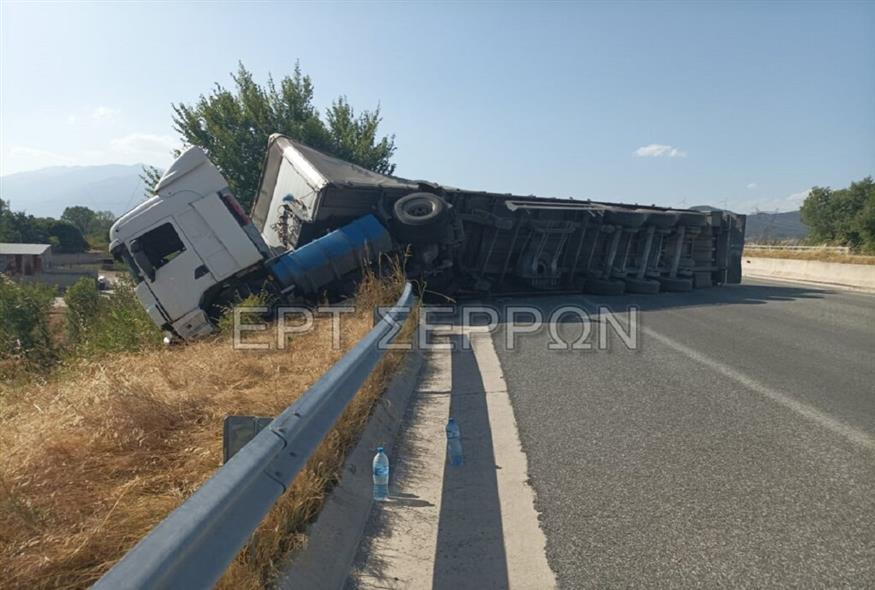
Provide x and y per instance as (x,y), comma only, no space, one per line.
(83,306)
(97,324)
(24,321)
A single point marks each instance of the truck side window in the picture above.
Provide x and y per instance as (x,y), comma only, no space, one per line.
(161,245)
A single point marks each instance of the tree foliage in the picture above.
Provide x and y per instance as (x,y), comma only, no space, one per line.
(18,226)
(843,216)
(150,177)
(232,127)
(94,225)
(87,221)
(67,238)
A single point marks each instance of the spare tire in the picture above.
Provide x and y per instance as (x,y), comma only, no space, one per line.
(419,217)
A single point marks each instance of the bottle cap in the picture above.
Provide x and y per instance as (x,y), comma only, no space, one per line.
(379,449)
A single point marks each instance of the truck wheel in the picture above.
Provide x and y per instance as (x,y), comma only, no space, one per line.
(604,286)
(675,285)
(419,217)
(645,287)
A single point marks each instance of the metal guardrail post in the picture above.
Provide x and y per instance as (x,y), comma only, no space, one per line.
(194,545)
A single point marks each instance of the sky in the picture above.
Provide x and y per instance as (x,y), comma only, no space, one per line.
(742,105)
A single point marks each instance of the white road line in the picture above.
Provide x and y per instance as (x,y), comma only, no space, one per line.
(524,541)
(854,435)
(807,411)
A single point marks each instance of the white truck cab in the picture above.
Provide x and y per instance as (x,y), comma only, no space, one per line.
(183,242)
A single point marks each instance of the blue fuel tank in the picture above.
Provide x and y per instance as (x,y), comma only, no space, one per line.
(332,257)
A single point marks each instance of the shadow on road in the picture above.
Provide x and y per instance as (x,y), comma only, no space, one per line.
(470,544)
(744,294)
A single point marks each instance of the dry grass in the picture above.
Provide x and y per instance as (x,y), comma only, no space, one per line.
(95,456)
(821,255)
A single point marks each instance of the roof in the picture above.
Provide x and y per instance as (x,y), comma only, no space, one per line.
(27,249)
(185,163)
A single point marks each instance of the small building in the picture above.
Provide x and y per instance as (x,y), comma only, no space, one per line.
(24,259)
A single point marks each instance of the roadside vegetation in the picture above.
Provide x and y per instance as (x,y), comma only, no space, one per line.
(38,338)
(26,340)
(99,449)
(842,217)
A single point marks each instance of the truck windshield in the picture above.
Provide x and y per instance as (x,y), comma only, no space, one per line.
(121,254)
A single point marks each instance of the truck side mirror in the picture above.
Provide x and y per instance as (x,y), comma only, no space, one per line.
(142,260)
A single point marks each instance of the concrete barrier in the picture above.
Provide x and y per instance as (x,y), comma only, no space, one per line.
(861,276)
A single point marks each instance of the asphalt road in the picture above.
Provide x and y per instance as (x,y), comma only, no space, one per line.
(734,447)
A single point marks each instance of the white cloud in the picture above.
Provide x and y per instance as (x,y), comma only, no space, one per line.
(72,119)
(657,150)
(145,147)
(751,186)
(800,196)
(103,113)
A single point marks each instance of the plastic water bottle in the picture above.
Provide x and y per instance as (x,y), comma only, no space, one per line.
(381,476)
(454,443)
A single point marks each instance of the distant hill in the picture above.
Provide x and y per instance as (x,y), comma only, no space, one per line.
(763,227)
(48,191)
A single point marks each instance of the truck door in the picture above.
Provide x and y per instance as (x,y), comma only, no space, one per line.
(174,272)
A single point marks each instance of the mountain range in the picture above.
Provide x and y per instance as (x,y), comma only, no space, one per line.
(765,227)
(48,191)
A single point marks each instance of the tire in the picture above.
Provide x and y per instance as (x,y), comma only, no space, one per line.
(419,217)
(645,286)
(675,285)
(603,287)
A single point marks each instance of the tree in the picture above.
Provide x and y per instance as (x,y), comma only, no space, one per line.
(94,225)
(232,127)
(69,238)
(18,226)
(80,217)
(150,177)
(5,222)
(817,213)
(844,216)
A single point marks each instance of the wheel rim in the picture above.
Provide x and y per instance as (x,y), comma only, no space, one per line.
(419,208)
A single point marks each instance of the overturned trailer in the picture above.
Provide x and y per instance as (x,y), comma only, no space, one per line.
(316,219)
(487,243)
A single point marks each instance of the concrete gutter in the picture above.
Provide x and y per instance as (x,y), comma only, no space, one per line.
(856,276)
(334,538)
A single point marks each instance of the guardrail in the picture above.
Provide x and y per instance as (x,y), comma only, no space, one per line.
(836,249)
(193,546)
